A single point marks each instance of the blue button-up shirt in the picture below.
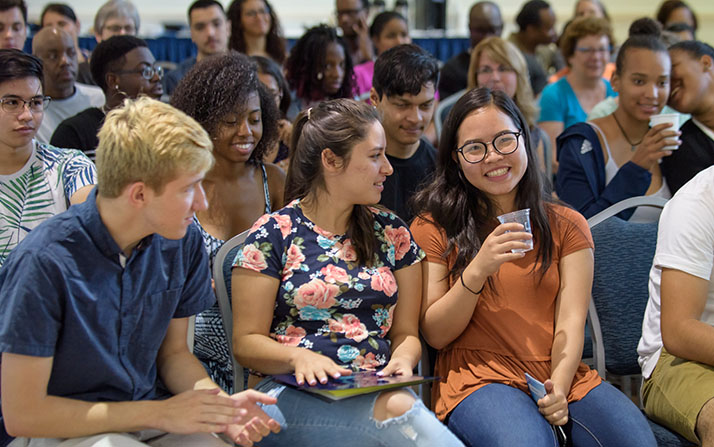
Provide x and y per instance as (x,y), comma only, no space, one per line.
(65,294)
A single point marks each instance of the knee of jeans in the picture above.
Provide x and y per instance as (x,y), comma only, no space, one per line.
(391,404)
(416,407)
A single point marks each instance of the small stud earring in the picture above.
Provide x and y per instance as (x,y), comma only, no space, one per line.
(319,76)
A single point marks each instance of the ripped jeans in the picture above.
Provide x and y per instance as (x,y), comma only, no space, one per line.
(308,420)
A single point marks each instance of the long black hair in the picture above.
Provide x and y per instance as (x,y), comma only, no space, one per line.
(464,212)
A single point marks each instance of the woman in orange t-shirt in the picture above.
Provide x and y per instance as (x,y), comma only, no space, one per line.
(497,315)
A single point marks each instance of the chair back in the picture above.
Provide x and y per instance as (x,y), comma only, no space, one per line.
(443,109)
(222,269)
(623,258)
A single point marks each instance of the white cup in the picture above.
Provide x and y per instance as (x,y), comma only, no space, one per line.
(672,119)
(522,217)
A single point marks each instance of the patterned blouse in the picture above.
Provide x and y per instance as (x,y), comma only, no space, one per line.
(326,301)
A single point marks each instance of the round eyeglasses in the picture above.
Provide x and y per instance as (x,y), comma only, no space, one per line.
(14,104)
(504,143)
(146,72)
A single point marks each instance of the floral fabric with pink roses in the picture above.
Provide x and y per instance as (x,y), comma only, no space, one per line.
(326,301)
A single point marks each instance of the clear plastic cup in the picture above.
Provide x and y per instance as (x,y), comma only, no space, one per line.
(522,217)
(671,118)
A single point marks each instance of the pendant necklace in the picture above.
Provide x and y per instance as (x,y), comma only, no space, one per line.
(633,146)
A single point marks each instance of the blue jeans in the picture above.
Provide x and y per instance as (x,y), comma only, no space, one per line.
(308,420)
(500,415)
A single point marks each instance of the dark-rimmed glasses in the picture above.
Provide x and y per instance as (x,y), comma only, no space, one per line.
(15,104)
(146,72)
(504,143)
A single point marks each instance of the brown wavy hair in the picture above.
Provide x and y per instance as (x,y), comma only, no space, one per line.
(275,44)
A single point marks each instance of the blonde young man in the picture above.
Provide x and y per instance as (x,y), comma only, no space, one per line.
(94,304)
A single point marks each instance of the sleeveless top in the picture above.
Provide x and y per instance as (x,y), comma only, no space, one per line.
(642,213)
(210,344)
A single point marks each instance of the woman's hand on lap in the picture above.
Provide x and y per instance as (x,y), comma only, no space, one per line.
(397,366)
(312,367)
(554,406)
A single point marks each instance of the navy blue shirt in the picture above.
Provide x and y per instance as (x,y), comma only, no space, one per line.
(65,294)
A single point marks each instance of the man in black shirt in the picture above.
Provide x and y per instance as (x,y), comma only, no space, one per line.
(403,86)
(484,21)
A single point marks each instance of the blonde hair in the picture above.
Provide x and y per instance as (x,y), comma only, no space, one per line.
(151,142)
(505,53)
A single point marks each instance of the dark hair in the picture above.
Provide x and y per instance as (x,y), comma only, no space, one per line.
(202,4)
(9,4)
(109,55)
(307,60)
(270,67)
(668,6)
(381,20)
(464,212)
(583,27)
(530,14)
(680,27)
(404,69)
(59,8)
(695,48)
(645,33)
(218,86)
(339,124)
(275,44)
(15,64)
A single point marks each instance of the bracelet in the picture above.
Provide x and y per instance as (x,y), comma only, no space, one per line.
(461,276)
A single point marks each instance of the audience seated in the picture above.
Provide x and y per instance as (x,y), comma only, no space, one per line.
(224,95)
(536,33)
(586,46)
(692,93)
(209,31)
(319,67)
(13,24)
(123,67)
(497,309)
(271,76)
(498,65)
(484,21)
(352,20)
(56,49)
(75,369)
(388,30)
(676,11)
(37,181)
(677,333)
(405,79)
(62,16)
(256,30)
(329,284)
(618,156)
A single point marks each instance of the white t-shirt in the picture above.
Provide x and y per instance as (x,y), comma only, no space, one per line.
(685,242)
(85,96)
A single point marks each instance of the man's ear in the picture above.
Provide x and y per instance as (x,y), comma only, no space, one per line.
(706,61)
(136,193)
(374,97)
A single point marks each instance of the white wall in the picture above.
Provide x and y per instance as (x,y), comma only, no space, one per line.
(298,14)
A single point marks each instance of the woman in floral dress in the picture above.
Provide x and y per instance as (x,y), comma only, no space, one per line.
(317,288)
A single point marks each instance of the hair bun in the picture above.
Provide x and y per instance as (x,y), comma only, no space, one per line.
(645,27)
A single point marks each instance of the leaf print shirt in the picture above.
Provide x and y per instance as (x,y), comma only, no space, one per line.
(327,302)
(38,191)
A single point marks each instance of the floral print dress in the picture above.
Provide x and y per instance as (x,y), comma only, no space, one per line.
(327,302)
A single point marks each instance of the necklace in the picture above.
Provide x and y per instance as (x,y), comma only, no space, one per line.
(633,146)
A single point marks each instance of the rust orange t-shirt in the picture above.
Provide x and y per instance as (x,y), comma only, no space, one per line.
(511,329)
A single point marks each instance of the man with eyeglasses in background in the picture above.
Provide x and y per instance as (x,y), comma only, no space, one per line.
(209,31)
(123,67)
(13,24)
(352,20)
(55,48)
(37,181)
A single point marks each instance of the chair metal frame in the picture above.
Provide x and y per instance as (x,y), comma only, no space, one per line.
(223,297)
(444,103)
